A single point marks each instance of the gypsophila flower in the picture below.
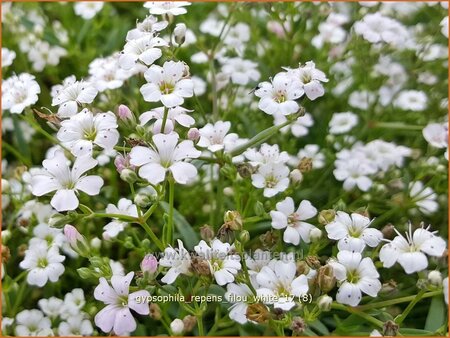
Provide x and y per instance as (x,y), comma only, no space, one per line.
(177,260)
(215,136)
(19,92)
(436,134)
(167,84)
(298,128)
(42,54)
(353,232)
(116,316)
(88,9)
(238,309)
(32,323)
(414,100)
(423,197)
(167,155)
(223,264)
(310,79)
(241,71)
(354,173)
(341,123)
(266,154)
(410,252)
(124,207)
(272,177)
(167,7)
(286,217)
(71,95)
(355,275)
(144,49)
(77,325)
(176,114)
(8,57)
(148,27)
(57,176)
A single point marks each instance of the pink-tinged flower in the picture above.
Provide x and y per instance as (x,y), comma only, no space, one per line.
(74,238)
(149,264)
(122,162)
(116,316)
(167,155)
(124,112)
(57,176)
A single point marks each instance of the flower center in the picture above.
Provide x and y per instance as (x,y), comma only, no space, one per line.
(280,97)
(271,181)
(306,78)
(354,232)
(353,276)
(216,264)
(293,219)
(90,134)
(42,262)
(166,88)
(122,301)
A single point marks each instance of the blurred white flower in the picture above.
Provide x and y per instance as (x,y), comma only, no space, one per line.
(341,123)
(19,92)
(77,325)
(423,197)
(436,134)
(240,71)
(167,7)
(215,136)
(8,57)
(42,54)
(88,9)
(354,172)
(33,323)
(310,79)
(266,154)
(414,100)
(176,114)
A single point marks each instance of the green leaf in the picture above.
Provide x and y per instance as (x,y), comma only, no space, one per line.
(436,314)
(318,326)
(188,235)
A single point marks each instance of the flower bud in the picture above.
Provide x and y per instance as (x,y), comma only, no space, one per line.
(233,219)
(149,264)
(6,253)
(435,278)
(142,200)
(257,312)
(5,185)
(77,241)
(296,176)
(228,191)
(6,235)
(388,231)
(326,216)
(128,175)
(207,233)
(244,236)
(324,303)
(124,113)
(325,278)
(298,325)
(259,209)
(193,134)
(122,163)
(315,234)
(96,243)
(305,165)
(155,311)
(189,323)
(200,266)
(268,239)
(180,33)
(313,261)
(245,170)
(177,326)
(302,268)
(59,220)
(390,329)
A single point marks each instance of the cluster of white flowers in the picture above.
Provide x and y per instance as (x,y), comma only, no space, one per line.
(357,165)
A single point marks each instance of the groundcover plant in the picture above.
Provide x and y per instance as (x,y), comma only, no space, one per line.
(176,168)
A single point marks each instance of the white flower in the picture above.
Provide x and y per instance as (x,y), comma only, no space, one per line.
(311,151)
(414,100)
(353,232)
(273,177)
(238,309)
(19,92)
(83,130)
(222,263)
(32,323)
(76,325)
(285,217)
(361,99)
(354,172)
(73,303)
(436,134)
(444,26)
(43,264)
(375,28)
(8,57)
(355,275)
(258,261)
(149,26)
(215,136)
(445,289)
(42,54)
(177,260)
(57,175)
(73,94)
(51,306)
(142,49)
(423,197)
(279,95)
(167,155)
(176,114)
(167,84)
(240,71)
(278,284)
(116,315)
(410,252)
(167,7)
(310,79)
(266,154)
(52,236)
(124,207)
(88,9)
(341,123)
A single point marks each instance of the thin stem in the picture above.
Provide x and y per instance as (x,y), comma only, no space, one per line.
(397,301)
(152,235)
(17,154)
(117,216)
(359,313)
(163,125)
(395,125)
(171,209)
(410,306)
(200,324)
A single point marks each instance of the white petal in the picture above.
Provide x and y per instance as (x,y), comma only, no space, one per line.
(153,172)
(64,200)
(141,307)
(124,322)
(349,294)
(413,261)
(91,185)
(183,172)
(388,255)
(291,235)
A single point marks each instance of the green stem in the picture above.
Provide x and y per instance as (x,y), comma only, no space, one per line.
(20,293)
(410,306)
(152,235)
(163,125)
(358,313)
(397,301)
(171,209)
(17,154)
(117,216)
(200,324)
(395,125)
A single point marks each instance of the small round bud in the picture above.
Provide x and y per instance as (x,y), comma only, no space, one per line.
(128,175)
(149,264)
(5,185)
(177,326)
(325,279)
(390,329)
(6,235)
(435,278)
(96,243)
(193,134)
(124,113)
(326,216)
(302,268)
(155,311)
(189,323)
(305,165)
(244,236)
(233,219)
(313,261)
(207,233)
(142,200)
(388,231)
(324,303)
(77,241)
(228,191)
(315,234)
(180,33)
(245,170)
(259,209)
(298,325)
(296,176)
